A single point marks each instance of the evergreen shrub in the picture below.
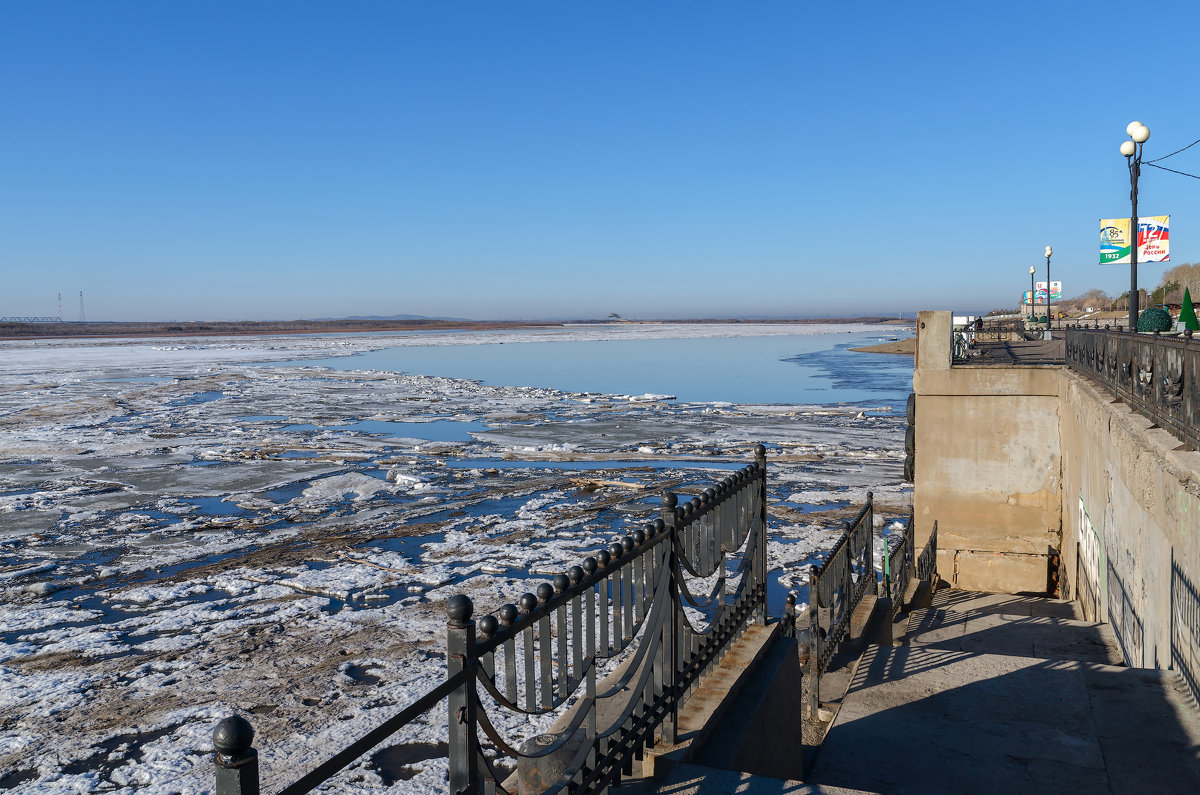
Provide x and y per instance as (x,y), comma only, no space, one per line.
(1155,319)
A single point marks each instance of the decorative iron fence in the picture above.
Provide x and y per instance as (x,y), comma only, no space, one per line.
(1157,376)
(837,586)
(1000,330)
(898,565)
(835,589)
(634,599)
(927,562)
(960,345)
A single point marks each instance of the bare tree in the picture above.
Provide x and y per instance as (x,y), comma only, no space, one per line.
(1092,299)
(1175,280)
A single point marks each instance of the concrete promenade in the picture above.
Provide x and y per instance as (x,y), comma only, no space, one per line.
(983,693)
(1019,352)
(1006,694)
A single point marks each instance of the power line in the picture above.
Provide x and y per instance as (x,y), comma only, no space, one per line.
(1173,171)
(1177,151)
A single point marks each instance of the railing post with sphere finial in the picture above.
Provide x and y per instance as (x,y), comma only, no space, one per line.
(670,641)
(760,457)
(789,617)
(463,742)
(236,760)
(814,641)
(870,534)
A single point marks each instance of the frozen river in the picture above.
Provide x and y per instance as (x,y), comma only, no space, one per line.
(194,527)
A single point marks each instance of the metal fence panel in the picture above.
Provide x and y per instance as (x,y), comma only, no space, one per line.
(535,656)
(1159,377)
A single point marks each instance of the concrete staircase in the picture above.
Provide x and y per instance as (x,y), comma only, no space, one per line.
(981,693)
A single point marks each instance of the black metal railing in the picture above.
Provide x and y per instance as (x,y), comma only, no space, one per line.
(899,562)
(926,569)
(961,345)
(835,589)
(838,585)
(1159,377)
(1000,330)
(630,609)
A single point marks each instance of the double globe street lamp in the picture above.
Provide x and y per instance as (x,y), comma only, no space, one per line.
(1132,149)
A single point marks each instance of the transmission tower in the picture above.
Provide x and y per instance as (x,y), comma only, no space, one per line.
(82,316)
(60,306)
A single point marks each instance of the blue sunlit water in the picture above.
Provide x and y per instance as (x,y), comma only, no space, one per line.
(801,368)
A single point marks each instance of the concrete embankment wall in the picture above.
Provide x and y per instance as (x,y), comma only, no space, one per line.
(1042,482)
(1131,526)
(987,468)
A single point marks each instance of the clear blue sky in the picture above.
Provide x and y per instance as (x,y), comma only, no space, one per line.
(277,160)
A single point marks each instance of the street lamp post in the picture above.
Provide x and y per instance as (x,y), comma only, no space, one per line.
(1032,295)
(1049,314)
(1132,149)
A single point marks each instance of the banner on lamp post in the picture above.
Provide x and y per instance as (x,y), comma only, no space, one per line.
(1154,240)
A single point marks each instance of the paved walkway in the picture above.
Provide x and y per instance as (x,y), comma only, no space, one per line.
(1018,352)
(1006,694)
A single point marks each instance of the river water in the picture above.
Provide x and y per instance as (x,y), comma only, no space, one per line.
(799,367)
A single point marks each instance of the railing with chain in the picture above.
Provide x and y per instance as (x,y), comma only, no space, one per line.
(898,565)
(629,610)
(835,589)
(838,585)
(1159,377)
(926,566)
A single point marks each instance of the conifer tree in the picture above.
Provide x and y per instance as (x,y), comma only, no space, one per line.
(1188,314)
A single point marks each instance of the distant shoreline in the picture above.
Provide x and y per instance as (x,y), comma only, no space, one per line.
(26,331)
(906,347)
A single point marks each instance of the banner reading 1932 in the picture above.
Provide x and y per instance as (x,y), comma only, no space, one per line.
(1154,240)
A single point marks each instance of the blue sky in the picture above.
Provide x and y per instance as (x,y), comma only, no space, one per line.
(278,160)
